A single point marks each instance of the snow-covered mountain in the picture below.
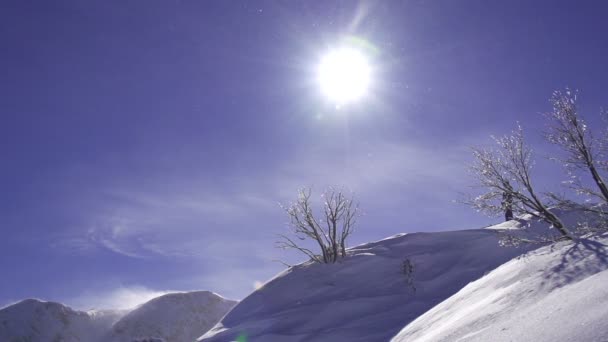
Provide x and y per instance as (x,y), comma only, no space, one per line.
(555,293)
(35,320)
(441,286)
(175,317)
(367,296)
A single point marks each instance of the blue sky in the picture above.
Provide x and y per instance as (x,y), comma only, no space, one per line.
(146,144)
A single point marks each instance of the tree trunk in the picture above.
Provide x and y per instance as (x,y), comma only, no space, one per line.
(557,223)
(599,181)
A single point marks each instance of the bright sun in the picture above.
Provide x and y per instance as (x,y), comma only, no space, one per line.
(344,75)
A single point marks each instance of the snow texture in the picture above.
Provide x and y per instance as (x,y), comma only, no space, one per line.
(173,317)
(556,293)
(366,296)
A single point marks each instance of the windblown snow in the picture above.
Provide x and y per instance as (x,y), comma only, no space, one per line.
(173,317)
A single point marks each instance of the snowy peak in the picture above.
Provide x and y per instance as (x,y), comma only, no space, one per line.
(173,317)
(35,320)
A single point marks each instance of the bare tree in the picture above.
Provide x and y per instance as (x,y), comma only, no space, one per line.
(329,233)
(506,172)
(569,131)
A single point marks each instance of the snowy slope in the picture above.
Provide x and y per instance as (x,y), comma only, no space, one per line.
(174,317)
(34,320)
(365,297)
(552,294)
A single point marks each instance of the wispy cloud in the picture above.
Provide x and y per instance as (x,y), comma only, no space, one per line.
(222,235)
(178,223)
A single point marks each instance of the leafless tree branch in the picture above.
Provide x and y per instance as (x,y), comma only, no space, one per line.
(506,170)
(339,217)
(568,130)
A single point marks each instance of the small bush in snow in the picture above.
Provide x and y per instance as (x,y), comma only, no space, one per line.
(408,271)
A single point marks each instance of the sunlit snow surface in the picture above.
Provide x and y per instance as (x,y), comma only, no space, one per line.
(366,296)
(557,293)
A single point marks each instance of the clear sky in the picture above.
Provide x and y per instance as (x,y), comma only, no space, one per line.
(145,144)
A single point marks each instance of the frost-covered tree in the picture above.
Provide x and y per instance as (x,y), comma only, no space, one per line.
(568,131)
(505,172)
(329,230)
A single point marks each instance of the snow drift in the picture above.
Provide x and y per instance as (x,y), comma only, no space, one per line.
(555,293)
(366,296)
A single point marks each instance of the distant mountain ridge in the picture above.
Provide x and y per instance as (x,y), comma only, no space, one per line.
(173,317)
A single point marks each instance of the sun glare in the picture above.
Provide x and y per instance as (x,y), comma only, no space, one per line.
(344,75)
